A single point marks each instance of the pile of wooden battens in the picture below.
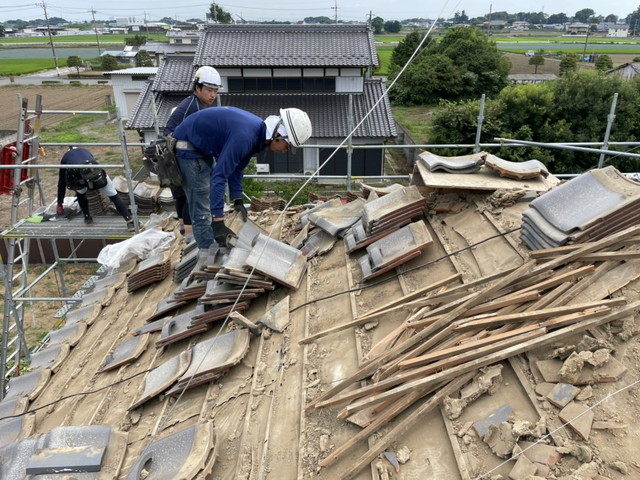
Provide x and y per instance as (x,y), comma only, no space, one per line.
(449,334)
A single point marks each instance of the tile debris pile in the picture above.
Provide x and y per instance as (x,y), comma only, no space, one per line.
(447,336)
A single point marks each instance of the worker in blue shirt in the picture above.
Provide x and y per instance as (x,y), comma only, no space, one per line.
(206,83)
(213,148)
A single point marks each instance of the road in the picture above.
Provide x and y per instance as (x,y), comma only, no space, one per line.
(51,77)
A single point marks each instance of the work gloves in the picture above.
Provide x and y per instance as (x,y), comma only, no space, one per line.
(222,234)
(238,206)
(60,209)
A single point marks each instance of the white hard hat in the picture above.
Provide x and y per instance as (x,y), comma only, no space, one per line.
(297,124)
(208,76)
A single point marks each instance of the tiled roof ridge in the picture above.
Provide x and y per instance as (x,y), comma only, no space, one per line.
(285,27)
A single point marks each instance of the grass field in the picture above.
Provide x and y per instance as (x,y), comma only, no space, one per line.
(77,39)
(15,67)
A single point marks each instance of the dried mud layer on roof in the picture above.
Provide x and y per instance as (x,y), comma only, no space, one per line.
(462,362)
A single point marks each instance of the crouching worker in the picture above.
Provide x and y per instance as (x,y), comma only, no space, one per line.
(213,148)
(81,180)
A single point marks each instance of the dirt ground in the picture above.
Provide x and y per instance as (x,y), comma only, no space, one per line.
(520,63)
(54,97)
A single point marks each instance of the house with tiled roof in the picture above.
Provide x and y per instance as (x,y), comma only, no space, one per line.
(326,70)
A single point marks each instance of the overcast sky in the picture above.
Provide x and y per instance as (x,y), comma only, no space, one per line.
(298,9)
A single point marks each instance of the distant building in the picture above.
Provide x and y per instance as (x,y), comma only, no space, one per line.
(127,86)
(577,29)
(127,55)
(626,71)
(618,31)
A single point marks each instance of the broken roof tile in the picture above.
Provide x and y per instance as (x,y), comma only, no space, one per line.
(277,317)
(498,416)
(579,418)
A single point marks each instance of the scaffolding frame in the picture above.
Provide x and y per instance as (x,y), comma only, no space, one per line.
(15,268)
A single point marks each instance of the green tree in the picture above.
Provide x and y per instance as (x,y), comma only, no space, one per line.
(1,30)
(604,63)
(611,18)
(219,14)
(74,61)
(460,17)
(108,63)
(559,18)
(143,59)
(392,26)
(536,61)
(568,64)
(571,109)
(405,48)
(323,20)
(377,24)
(584,15)
(464,64)
(136,40)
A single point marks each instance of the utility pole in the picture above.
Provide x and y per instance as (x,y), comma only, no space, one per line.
(489,25)
(336,11)
(93,14)
(53,49)
(586,39)
(146,26)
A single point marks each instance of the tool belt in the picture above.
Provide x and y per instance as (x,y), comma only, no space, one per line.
(184,145)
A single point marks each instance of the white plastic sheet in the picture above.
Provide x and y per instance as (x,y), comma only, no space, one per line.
(140,246)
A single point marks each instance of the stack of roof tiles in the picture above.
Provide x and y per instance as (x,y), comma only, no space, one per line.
(588,207)
(394,249)
(146,196)
(122,187)
(154,269)
(98,204)
(383,215)
(261,204)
